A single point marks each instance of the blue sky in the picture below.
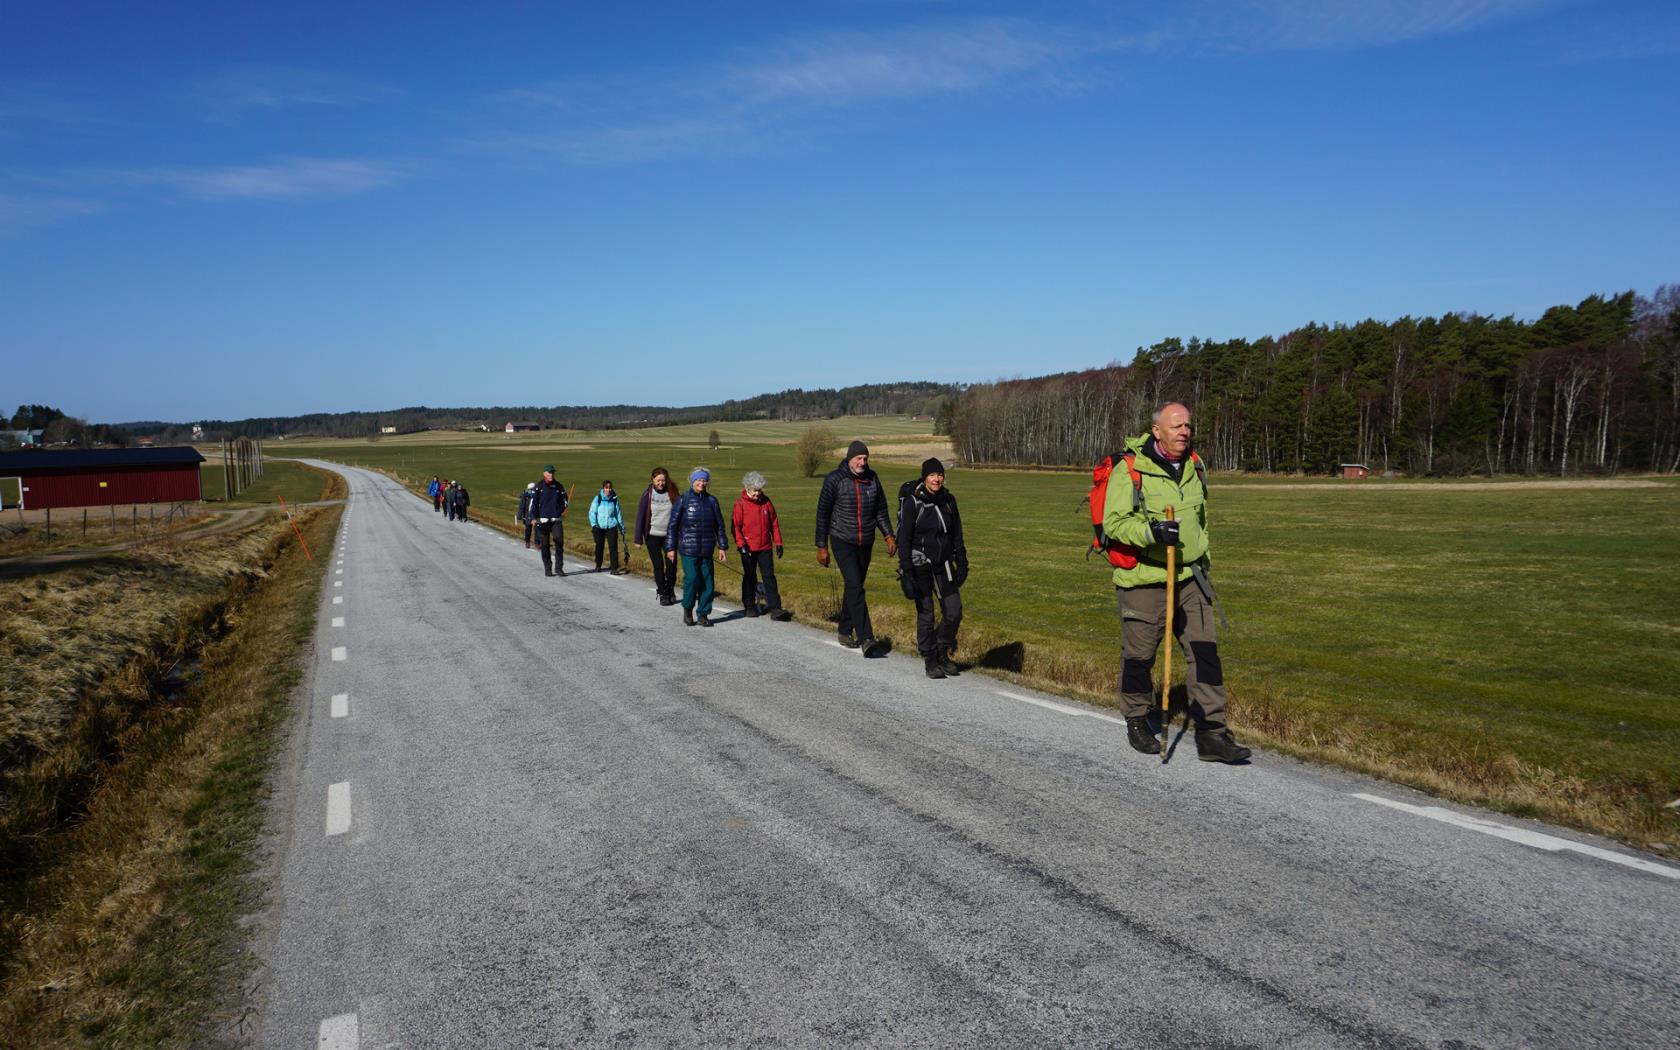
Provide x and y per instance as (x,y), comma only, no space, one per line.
(210,211)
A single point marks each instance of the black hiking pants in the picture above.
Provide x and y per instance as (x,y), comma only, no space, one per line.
(757,565)
(664,573)
(853,562)
(556,530)
(605,538)
(943,597)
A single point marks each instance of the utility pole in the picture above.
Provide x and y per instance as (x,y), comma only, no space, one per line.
(227,472)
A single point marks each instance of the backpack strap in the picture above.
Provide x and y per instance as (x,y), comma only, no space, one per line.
(1137,482)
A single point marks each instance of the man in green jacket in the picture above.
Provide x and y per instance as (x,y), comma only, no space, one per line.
(1134,516)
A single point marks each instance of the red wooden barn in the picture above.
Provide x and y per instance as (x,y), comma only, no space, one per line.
(97,477)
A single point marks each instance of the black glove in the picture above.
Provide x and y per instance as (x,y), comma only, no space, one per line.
(959,573)
(742,551)
(907,584)
(778,550)
(1165,532)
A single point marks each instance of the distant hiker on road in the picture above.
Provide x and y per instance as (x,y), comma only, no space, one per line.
(758,536)
(851,509)
(548,506)
(932,564)
(523,515)
(448,501)
(462,502)
(606,521)
(1167,473)
(435,491)
(697,532)
(653,523)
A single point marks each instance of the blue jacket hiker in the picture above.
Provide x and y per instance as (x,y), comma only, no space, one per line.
(606,523)
(697,532)
(548,504)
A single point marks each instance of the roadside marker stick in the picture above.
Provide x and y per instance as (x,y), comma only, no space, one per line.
(295,528)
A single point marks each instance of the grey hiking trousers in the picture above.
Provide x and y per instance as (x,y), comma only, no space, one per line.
(1143,613)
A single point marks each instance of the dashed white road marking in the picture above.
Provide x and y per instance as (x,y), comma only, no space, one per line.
(338,808)
(339,1033)
(338,599)
(1066,709)
(338,572)
(1523,836)
(338,583)
(341,705)
(338,621)
(340,654)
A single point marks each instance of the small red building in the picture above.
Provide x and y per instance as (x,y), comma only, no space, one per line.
(1355,470)
(99,477)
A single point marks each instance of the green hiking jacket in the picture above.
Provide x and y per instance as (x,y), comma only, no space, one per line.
(1189,502)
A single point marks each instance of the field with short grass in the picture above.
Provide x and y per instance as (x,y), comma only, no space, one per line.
(1515,644)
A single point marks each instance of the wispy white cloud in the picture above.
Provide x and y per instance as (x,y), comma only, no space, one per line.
(1347,24)
(20,210)
(285,178)
(771,95)
(240,91)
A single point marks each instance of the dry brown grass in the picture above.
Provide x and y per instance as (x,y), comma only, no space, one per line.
(120,915)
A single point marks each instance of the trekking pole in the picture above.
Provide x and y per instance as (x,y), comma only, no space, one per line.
(1166,667)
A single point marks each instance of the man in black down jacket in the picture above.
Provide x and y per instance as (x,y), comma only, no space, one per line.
(932,564)
(547,506)
(851,509)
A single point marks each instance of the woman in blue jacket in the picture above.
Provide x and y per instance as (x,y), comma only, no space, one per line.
(606,521)
(698,534)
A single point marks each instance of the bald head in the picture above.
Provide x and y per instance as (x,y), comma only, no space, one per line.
(1172,429)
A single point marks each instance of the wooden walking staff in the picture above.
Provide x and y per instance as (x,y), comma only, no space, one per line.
(1166,667)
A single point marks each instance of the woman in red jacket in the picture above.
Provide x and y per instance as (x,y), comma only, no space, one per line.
(758,535)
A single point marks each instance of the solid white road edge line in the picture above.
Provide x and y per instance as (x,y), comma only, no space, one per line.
(338,808)
(341,705)
(1538,840)
(338,621)
(340,653)
(338,1033)
(1060,708)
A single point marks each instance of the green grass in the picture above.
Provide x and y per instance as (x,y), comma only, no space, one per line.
(281,478)
(1518,647)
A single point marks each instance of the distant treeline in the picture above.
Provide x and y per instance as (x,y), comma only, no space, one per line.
(1591,387)
(869,400)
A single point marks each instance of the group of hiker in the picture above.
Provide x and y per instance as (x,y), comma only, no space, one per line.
(449,498)
(1157,502)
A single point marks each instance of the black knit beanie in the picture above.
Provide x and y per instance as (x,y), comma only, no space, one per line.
(931,466)
(856,448)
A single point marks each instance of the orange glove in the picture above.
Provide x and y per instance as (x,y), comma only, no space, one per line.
(892,544)
(822,556)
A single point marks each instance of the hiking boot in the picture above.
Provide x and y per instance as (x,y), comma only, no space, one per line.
(946,664)
(666,599)
(705,622)
(933,667)
(560,571)
(876,648)
(688,617)
(1216,744)
(751,610)
(548,572)
(1141,737)
(848,641)
(780,615)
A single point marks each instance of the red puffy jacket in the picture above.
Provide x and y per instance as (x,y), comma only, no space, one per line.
(756,527)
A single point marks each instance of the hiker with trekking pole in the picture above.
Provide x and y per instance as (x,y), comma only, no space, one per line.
(851,510)
(548,508)
(1154,533)
(932,565)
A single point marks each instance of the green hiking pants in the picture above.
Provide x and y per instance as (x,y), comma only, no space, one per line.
(1143,613)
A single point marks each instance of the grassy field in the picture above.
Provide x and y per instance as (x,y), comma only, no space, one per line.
(280,478)
(1513,644)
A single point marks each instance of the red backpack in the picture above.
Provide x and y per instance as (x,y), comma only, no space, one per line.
(1120,555)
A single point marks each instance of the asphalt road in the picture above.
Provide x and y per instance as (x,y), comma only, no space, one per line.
(530,812)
